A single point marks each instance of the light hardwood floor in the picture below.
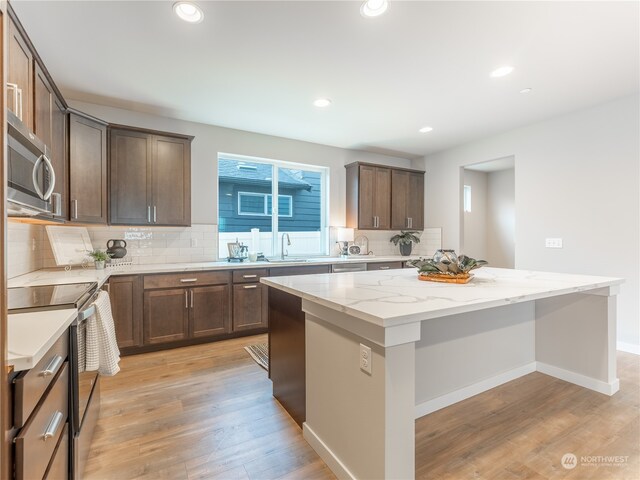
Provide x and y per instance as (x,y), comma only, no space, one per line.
(207,412)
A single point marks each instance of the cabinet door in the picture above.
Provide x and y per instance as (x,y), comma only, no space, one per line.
(382,198)
(366,193)
(166,315)
(130,163)
(87,170)
(20,73)
(126,305)
(59,157)
(171,181)
(415,201)
(399,198)
(43,108)
(249,307)
(209,310)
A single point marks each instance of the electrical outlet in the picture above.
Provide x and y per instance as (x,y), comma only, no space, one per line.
(553,243)
(365,359)
(33,244)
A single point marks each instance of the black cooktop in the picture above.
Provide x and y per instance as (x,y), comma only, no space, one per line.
(49,297)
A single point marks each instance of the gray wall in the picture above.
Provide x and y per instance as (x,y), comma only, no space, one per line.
(576,177)
(475,222)
(501,226)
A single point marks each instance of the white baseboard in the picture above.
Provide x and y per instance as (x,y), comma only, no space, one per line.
(578,379)
(456,396)
(628,347)
(333,462)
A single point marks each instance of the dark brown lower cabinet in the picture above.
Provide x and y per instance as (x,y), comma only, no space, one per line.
(166,315)
(126,305)
(249,307)
(209,310)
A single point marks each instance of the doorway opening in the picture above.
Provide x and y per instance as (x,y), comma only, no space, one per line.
(487,213)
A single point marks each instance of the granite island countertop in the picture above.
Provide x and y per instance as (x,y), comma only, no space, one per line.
(395,297)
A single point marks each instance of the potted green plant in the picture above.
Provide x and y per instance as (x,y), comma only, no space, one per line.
(405,239)
(99,257)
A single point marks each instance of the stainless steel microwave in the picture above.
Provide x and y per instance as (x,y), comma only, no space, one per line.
(30,174)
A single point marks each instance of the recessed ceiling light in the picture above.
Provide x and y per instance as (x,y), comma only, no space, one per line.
(322,102)
(502,71)
(425,129)
(189,12)
(526,90)
(374,8)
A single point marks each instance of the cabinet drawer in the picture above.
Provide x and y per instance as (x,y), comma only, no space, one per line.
(249,275)
(384,266)
(37,441)
(299,270)
(31,384)
(59,466)
(189,279)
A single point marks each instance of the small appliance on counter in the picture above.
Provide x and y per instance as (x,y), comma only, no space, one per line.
(116,248)
(238,252)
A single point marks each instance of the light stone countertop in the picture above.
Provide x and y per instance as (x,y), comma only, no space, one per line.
(59,276)
(395,297)
(31,335)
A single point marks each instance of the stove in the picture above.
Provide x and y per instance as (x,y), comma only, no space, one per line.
(49,297)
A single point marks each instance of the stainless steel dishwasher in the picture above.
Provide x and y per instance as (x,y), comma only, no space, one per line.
(349,267)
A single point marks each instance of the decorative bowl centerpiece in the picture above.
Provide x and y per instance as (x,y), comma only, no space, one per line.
(447,267)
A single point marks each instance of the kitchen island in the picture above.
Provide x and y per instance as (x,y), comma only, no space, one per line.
(432,345)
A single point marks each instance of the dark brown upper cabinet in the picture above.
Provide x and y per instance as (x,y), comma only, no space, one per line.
(384,198)
(150,177)
(87,169)
(368,197)
(407,200)
(59,154)
(19,76)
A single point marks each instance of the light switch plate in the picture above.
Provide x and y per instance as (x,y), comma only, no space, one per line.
(553,243)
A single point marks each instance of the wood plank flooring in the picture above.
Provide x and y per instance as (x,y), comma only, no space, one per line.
(206,411)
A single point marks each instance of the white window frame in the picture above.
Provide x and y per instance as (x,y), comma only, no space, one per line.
(324,195)
(466,197)
(265,196)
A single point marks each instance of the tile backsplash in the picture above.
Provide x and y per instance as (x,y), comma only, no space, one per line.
(29,248)
(147,245)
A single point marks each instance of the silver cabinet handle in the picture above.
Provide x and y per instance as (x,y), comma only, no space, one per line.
(107,287)
(19,112)
(52,367)
(53,426)
(384,268)
(188,280)
(410,222)
(148,213)
(186,299)
(52,179)
(155,215)
(249,276)
(191,298)
(14,87)
(75,208)
(250,286)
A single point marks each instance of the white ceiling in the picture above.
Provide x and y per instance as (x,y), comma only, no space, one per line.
(257,66)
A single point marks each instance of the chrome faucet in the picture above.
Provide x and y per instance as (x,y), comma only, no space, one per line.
(282,254)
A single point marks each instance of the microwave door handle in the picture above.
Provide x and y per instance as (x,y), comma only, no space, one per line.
(34,176)
(52,183)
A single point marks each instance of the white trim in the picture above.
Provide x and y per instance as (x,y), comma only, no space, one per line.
(325,453)
(579,379)
(628,347)
(469,391)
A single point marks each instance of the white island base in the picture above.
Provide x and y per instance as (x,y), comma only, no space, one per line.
(433,345)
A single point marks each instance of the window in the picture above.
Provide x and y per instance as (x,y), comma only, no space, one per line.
(261,204)
(251,189)
(467,198)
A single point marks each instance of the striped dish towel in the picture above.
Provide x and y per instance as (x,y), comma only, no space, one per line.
(101,350)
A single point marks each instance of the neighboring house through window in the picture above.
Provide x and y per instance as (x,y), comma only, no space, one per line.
(251,189)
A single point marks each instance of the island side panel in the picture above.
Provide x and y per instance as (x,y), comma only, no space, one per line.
(461,355)
(361,425)
(287,352)
(576,339)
